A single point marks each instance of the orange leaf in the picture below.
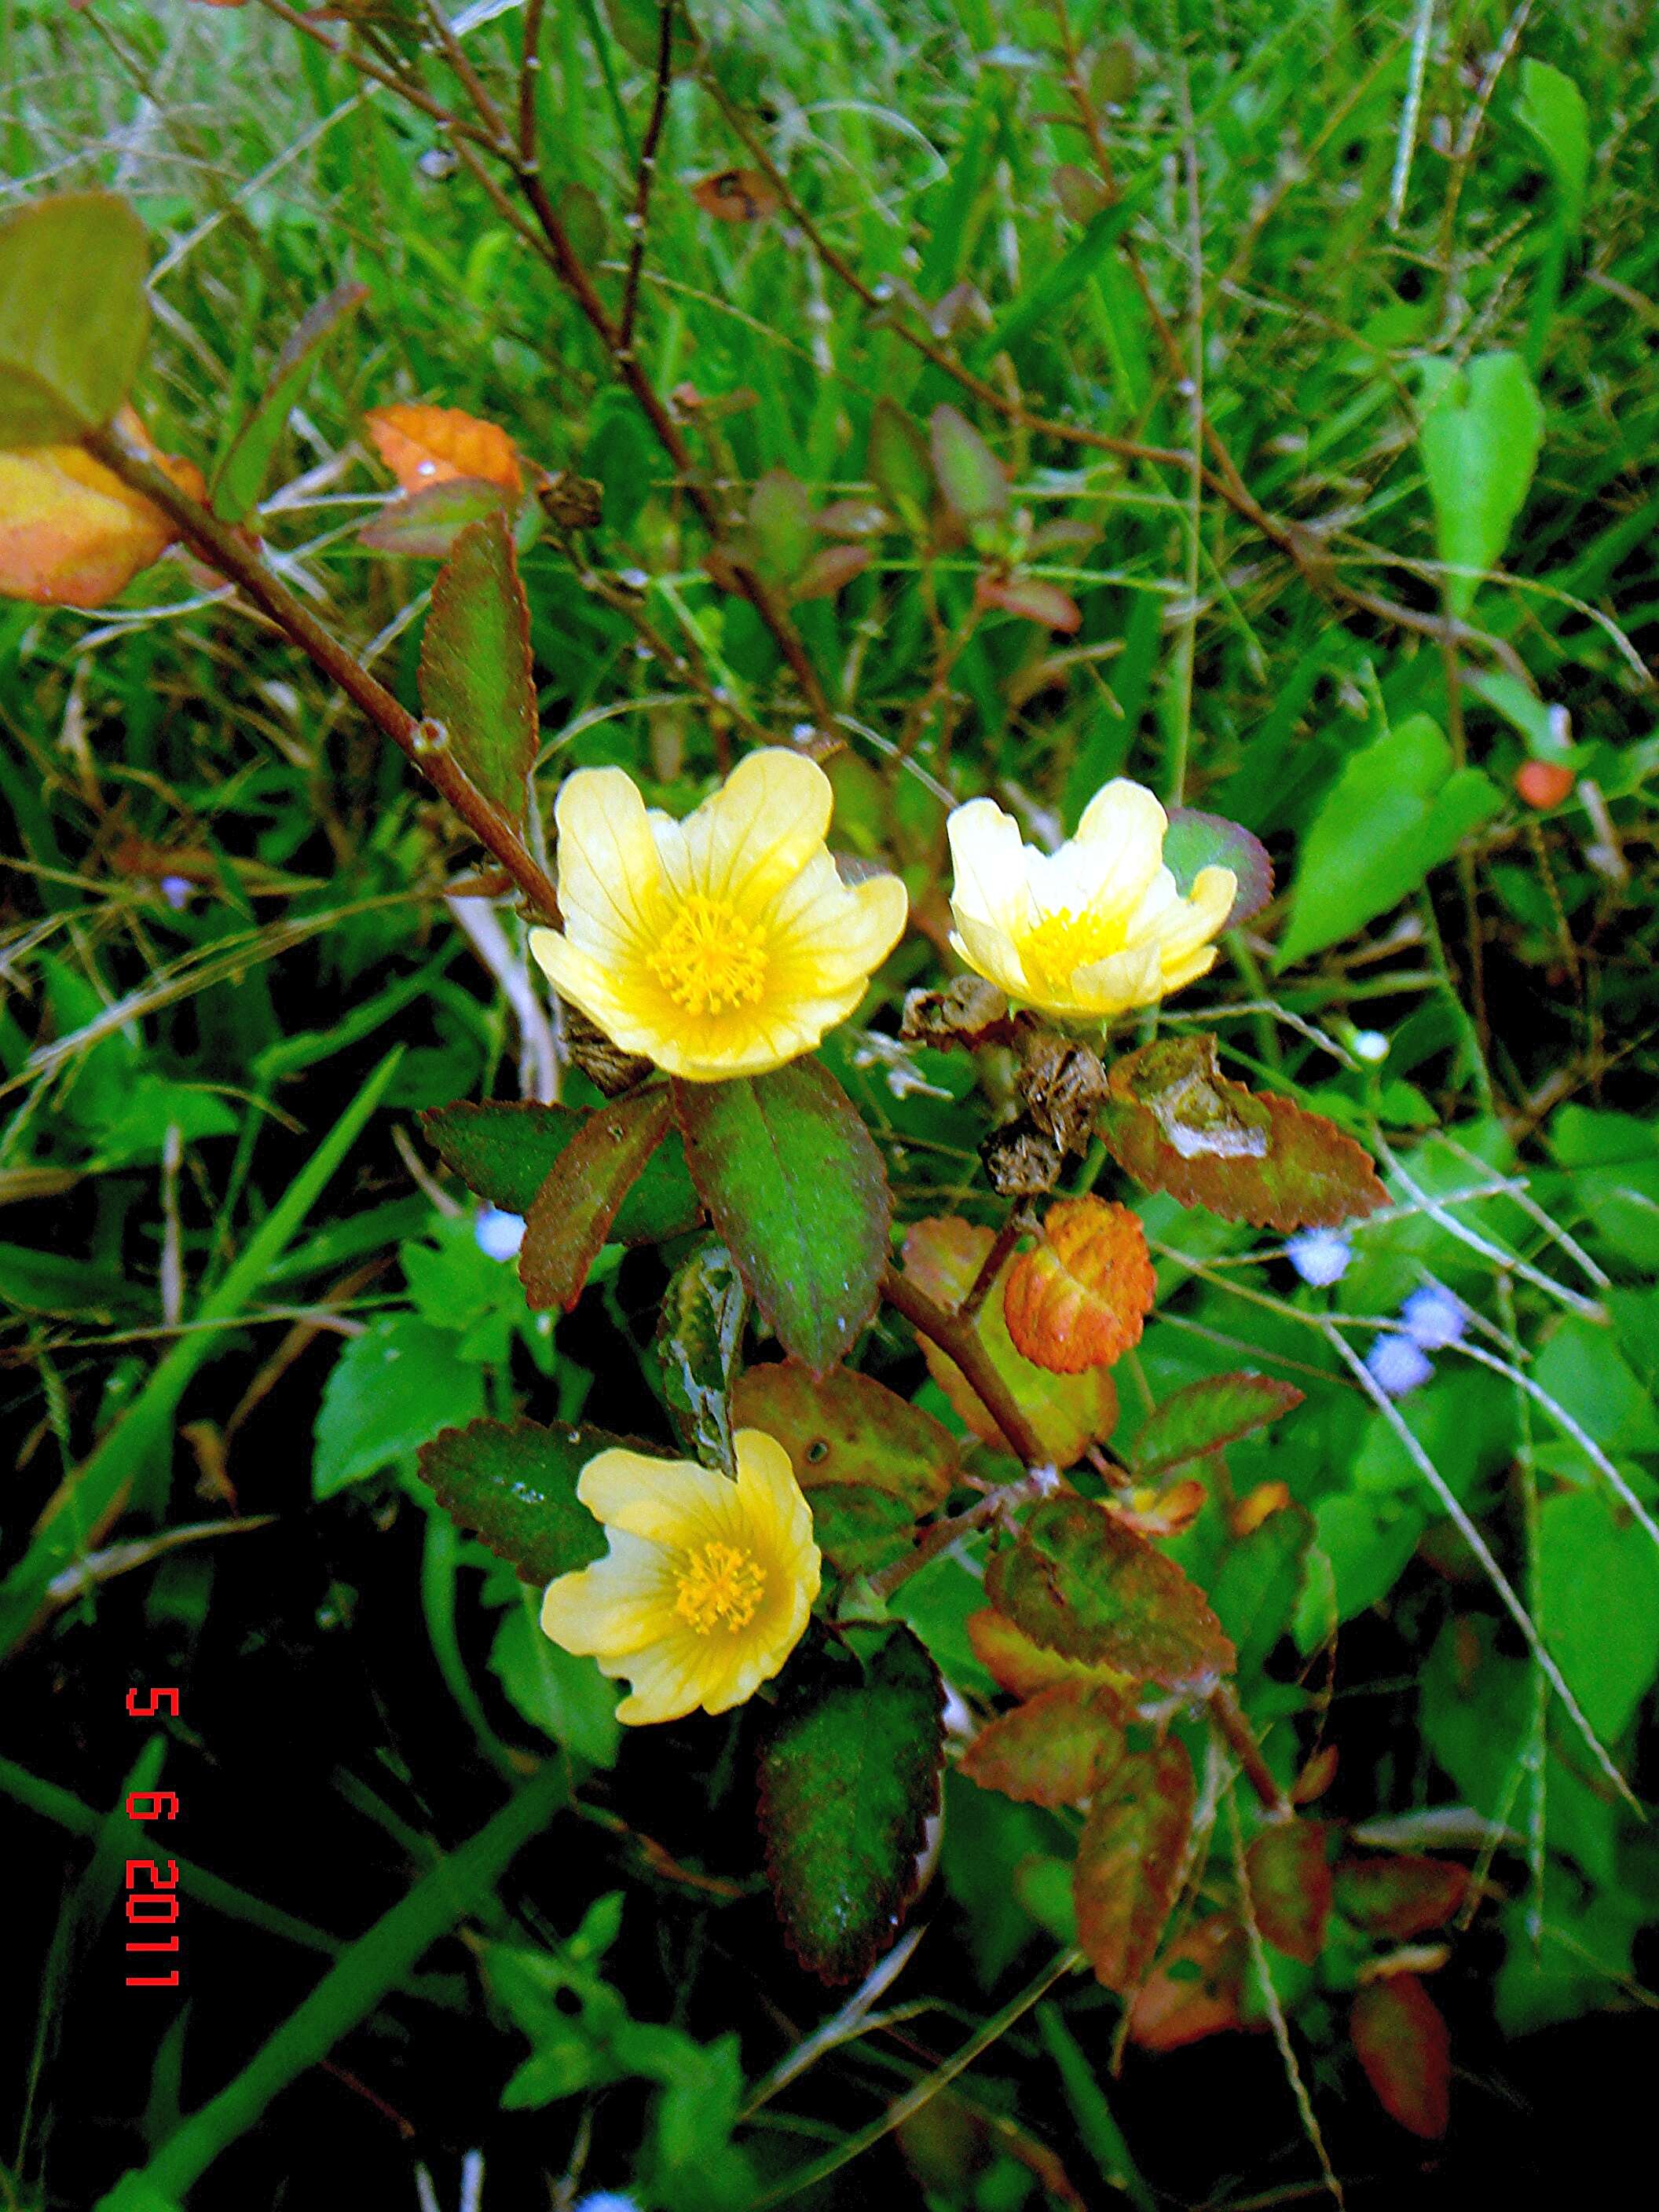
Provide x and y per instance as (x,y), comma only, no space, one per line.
(1068,1413)
(1180,2007)
(73,535)
(1257,1505)
(425,445)
(1079,1300)
(737,196)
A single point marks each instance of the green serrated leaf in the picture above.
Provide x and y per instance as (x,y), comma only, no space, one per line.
(476,676)
(1177,1124)
(849,1780)
(241,478)
(1217,1410)
(797,1191)
(698,1338)
(505,1150)
(1129,1862)
(1079,1582)
(572,1213)
(514,1484)
(73,316)
(870,1464)
(1479,432)
(390,1390)
(1398,810)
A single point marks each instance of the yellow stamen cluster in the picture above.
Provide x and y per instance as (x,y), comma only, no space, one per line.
(710,959)
(719,1583)
(1060,942)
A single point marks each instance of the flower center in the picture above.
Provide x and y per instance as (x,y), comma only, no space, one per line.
(1065,941)
(720,1581)
(710,958)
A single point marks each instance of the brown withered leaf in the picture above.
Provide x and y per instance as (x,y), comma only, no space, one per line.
(1021,1160)
(1177,1124)
(1063,1086)
(1129,1861)
(1056,1749)
(737,196)
(1081,1298)
(968,1011)
(1401,1896)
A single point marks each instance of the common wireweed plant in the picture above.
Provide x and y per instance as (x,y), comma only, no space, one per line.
(876,578)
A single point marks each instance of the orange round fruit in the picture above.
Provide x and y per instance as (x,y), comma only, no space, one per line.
(1543,783)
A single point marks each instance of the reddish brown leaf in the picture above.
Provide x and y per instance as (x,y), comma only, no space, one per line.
(575,1206)
(1026,1669)
(1079,1300)
(1399,2034)
(1079,1582)
(1193,1990)
(1288,1873)
(829,570)
(1031,596)
(424,446)
(1054,1750)
(1129,1860)
(1068,1411)
(1177,1124)
(73,535)
(737,196)
(1316,1777)
(1400,1896)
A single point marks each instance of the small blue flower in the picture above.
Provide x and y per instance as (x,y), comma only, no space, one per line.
(176,891)
(499,1234)
(1369,1045)
(607,2200)
(1319,1257)
(1398,1366)
(1433,1318)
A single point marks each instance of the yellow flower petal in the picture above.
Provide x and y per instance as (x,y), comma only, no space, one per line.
(611,889)
(723,946)
(988,859)
(1093,930)
(708,1583)
(759,830)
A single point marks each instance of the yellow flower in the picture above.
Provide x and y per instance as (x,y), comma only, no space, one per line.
(1090,930)
(708,1584)
(721,945)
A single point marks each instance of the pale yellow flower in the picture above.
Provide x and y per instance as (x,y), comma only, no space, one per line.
(1093,929)
(724,945)
(708,1584)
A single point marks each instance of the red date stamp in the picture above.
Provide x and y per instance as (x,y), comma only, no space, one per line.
(152,1885)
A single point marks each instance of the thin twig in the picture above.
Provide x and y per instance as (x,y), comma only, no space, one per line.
(425,744)
(648,169)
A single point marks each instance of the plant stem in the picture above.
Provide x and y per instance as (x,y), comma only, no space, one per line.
(424,743)
(940,1536)
(1240,1737)
(959,1342)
